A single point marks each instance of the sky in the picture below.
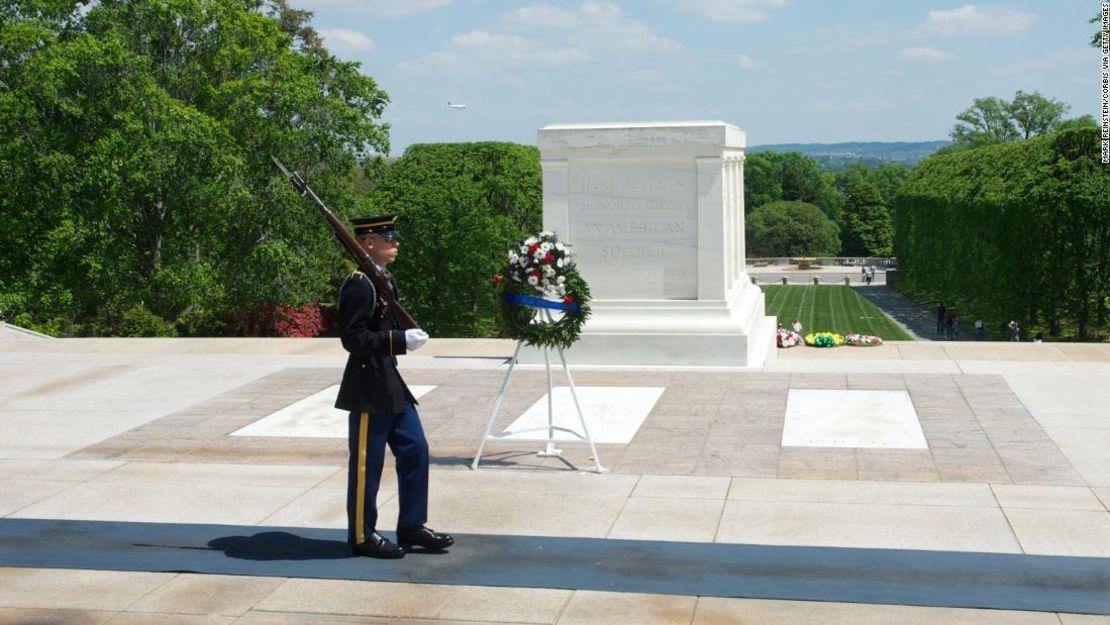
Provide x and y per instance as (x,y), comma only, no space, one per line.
(786,71)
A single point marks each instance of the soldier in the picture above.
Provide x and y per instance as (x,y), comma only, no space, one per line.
(382,410)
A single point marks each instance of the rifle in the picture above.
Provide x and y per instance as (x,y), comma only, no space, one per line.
(361,258)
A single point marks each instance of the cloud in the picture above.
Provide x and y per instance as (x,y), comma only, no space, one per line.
(924,55)
(729,10)
(517,48)
(346,40)
(748,62)
(379,8)
(594,25)
(545,34)
(481,39)
(431,62)
(970,20)
(837,39)
(540,15)
(479,48)
(606,22)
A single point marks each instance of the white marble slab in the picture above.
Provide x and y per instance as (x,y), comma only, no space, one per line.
(312,417)
(613,413)
(874,419)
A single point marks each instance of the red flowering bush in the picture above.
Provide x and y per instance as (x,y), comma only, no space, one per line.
(285,321)
(305,321)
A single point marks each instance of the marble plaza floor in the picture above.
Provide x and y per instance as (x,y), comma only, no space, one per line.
(202,481)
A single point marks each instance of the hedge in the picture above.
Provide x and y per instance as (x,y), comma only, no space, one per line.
(1018,231)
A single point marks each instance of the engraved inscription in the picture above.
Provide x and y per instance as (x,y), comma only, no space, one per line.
(632,205)
(634,227)
(616,251)
(623,184)
(641,272)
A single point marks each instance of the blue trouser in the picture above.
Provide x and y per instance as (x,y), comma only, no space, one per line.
(367,436)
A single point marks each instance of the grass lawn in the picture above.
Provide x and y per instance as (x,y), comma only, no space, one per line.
(830,308)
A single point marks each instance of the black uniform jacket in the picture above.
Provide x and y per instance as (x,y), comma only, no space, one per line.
(373,337)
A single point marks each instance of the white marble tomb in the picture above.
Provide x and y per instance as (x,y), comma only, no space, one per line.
(655,212)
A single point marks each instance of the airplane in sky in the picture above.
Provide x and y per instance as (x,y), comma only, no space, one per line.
(455,106)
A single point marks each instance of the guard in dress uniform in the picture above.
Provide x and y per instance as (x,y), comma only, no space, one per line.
(382,410)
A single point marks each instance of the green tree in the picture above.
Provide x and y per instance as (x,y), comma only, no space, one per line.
(986,122)
(762,180)
(867,224)
(801,181)
(791,229)
(135,158)
(1034,114)
(829,198)
(460,206)
(888,179)
(1096,38)
(994,120)
(1077,123)
(792,176)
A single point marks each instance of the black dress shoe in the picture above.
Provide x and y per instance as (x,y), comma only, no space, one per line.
(378,546)
(424,537)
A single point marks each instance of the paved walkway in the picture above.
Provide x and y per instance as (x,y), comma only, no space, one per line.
(97,434)
(919,322)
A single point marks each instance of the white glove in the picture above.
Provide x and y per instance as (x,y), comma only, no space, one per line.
(415,339)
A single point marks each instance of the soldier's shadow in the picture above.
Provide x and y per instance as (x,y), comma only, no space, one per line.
(280,546)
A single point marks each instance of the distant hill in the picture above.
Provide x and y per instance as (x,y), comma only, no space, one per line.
(839,155)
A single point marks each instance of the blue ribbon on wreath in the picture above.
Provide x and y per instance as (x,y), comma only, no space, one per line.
(539,302)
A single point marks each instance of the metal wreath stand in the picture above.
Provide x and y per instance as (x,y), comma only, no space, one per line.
(549,447)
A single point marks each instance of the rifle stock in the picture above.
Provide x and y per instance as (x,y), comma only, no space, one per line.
(348,241)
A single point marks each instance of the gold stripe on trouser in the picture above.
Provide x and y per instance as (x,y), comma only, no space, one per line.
(360,484)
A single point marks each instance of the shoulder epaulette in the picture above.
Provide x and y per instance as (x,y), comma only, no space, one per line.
(359,278)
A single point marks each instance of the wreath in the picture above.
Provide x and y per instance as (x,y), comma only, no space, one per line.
(862,340)
(542,300)
(787,338)
(824,339)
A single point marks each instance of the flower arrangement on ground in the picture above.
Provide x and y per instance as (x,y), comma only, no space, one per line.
(787,338)
(542,299)
(824,339)
(862,340)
